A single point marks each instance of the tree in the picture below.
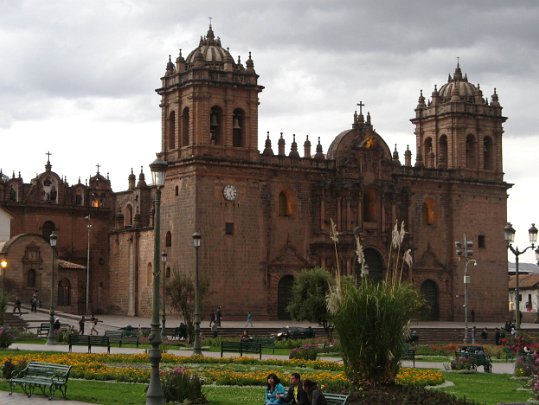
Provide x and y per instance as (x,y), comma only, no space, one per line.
(308,301)
(181,291)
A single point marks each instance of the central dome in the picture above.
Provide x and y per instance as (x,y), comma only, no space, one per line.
(210,52)
(458,85)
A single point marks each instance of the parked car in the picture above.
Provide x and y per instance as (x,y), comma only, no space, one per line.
(294,332)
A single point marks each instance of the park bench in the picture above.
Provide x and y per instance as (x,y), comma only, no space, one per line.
(45,376)
(118,336)
(408,353)
(336,399)
(43,329)
(241,347)
(89,341)
(265,342)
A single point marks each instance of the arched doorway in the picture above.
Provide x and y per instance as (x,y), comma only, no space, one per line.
(284,291)
(375,263)
(64,292)
(429,291)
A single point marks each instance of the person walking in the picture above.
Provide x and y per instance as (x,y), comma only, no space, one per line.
(249,321)
(218,316)
(33,302)
(94,320)
(81,325)
(17,306)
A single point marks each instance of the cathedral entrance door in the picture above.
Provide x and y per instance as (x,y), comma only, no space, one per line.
(284,291)
(429,291)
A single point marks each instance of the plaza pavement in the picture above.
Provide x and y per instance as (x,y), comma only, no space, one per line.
(111,322)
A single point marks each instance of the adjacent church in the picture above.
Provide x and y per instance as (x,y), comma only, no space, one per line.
(265,216)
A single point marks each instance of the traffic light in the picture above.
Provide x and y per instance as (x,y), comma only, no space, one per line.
(469,248)
(458,248)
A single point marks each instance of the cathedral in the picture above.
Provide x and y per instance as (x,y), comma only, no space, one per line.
(266,215)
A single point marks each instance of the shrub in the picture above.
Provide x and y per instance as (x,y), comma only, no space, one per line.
(461,363)
(180,384)
(10,368)
(405,395)
(526,365)
(6,337)
(305,352)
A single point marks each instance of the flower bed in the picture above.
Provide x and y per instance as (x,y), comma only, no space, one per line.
(226,371)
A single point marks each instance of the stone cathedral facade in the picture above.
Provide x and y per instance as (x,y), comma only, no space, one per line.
(265,215)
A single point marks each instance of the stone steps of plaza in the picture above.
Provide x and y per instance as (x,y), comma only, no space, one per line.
(430,335)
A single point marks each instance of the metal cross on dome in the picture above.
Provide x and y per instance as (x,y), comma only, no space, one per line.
(361,105)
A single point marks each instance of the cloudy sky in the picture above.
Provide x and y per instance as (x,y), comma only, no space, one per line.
(77,77)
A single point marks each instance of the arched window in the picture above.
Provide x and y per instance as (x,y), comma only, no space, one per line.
(470,152)
(285,208)
(149,274)
(64,292)
(31,278)
(442,152)
(128,215)
(370,206)
(427,149)
(429,212)
(237,127)
(216,126)
(168,239)
(172,130)
(487,153)
(176,191)
(374,264)
(185,127)
(47,229)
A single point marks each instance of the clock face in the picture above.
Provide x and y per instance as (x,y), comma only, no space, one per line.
(230,192)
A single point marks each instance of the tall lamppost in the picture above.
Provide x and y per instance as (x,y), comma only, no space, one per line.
(88,228)
(3,265)
(464,249)
(51,339)
(196,347)
(155,395)
(509,235)
(164,315)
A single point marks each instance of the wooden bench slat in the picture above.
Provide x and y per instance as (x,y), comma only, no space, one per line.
(336,399)
(241,347)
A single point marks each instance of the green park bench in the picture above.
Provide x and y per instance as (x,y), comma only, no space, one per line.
(241,347)
(89,341)
(336,399)
(43,329)
(265,342)
(119,337)
(47,377)
(408,353)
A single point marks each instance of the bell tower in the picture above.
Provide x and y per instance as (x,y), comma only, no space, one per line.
(459,129)
(209,104)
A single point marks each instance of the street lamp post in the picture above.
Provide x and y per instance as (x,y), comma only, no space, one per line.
(88,228)
(3,266)
(155,395)
(51,340)
(464,249)
(509,236)
(164,315)
(196,347)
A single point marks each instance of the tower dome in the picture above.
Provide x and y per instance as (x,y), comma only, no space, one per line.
(458,86)
(213,54)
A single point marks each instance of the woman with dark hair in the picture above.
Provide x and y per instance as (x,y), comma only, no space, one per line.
(314,395)
(275,392)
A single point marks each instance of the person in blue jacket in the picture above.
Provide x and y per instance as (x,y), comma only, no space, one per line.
(275,391)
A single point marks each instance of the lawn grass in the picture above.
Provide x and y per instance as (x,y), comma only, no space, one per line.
(487,389)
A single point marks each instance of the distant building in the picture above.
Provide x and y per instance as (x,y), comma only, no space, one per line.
(265,216)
